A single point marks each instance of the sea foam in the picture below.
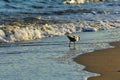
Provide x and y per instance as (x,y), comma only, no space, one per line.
(31,32)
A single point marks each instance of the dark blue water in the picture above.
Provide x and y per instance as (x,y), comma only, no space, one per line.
(56,10)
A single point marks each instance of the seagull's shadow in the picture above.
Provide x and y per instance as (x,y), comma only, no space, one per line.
(74,47)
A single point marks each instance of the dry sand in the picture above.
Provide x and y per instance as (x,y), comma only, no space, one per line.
(105,62)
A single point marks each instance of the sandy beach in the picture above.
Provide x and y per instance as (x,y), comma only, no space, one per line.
(105,62)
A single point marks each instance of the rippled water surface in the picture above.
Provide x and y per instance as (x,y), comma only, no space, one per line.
(57,11)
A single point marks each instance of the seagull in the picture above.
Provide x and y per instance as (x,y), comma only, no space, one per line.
(73,38)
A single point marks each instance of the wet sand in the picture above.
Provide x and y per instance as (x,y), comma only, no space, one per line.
(105,62)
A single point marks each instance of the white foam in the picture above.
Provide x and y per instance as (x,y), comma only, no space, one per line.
(31,33)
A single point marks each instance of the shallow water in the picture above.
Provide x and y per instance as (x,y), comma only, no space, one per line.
(51,58)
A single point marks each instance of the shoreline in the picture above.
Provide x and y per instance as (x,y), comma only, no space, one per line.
(104,62)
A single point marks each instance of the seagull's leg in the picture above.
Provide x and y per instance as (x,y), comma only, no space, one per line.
(69,43)
(74,44)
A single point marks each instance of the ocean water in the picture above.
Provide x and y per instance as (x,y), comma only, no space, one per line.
(55,11)
(51,58)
